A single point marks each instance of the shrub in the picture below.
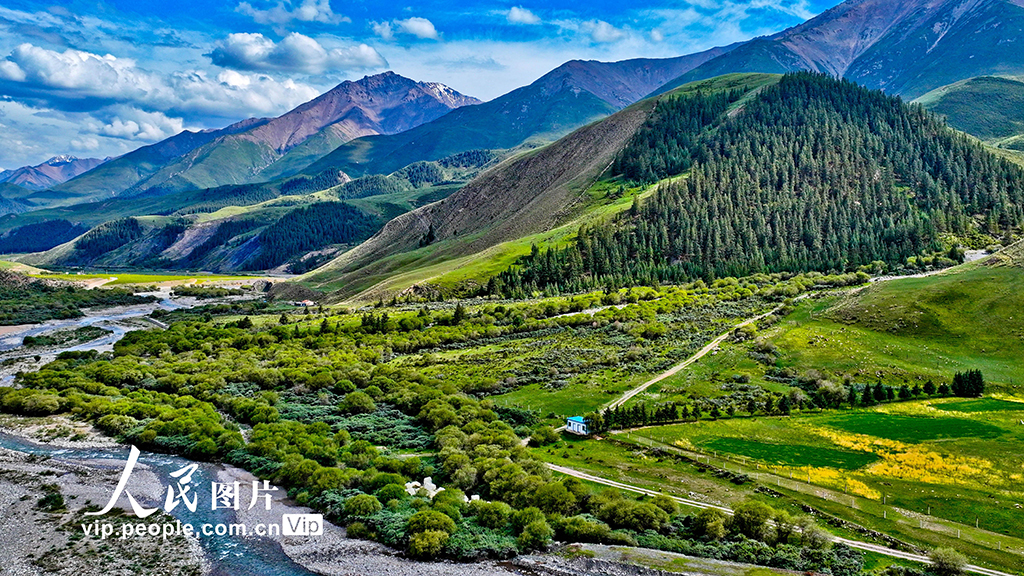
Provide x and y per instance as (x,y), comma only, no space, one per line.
(359,531)
(362,505)
(525,516)
(813,536)
(357,403)
(633,515)
(391,492)
(751,519)
(536,535)
(582,529)
(710,523)
(947,562)
(429,521)
(493,515)
(427,544)
(543,436)
(554,498)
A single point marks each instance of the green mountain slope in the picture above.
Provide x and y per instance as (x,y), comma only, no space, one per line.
(988,107)
(917,329)
(298,222)
(12,199)
(806,174)
(381,104)
(123,173)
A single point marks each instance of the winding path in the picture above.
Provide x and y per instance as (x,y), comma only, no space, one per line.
(681,366)
(878,549)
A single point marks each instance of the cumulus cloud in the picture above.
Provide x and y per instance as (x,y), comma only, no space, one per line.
(383,29)
(129,123)
(520,15)
(285,12)
(603,32)
(296,53)
(657,36)
(86,144)
(78,81)
(419,27)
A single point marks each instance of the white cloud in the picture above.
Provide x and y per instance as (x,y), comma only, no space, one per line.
(87,144)
(78,81)
(418,27)
(657,36)
(296,53)
(285,12)
(383,29)
(602,32)
(520,15)
(132,124)
(415,26)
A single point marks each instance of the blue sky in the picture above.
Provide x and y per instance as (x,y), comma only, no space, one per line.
(100,78)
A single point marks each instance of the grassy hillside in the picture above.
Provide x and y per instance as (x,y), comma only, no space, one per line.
(990,108)
(923,470)
(927,327)
(247,227)
(11,199)
(120,174)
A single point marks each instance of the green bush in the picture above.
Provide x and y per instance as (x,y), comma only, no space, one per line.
(947,562)
(525,516)
(357,403)
(492,514)
(430,520)
(362,505)
(536,535)
(751,519)
(543,436)
(428,544)
(392,492)
(359,531)
(582,529)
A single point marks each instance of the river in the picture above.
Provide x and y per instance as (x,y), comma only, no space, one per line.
(228,555)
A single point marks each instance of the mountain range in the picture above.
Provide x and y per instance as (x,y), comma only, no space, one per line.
(906,48)
(570,96)
(256,149)
(465,178)
(54,171)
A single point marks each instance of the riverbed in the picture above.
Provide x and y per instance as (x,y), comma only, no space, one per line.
(86,471)
(116,320)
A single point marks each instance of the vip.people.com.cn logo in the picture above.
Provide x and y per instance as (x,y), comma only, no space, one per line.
(182,491)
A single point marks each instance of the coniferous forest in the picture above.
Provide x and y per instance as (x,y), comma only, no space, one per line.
(812,173)
(309,228)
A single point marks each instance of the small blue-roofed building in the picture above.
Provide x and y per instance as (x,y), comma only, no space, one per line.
(576,425)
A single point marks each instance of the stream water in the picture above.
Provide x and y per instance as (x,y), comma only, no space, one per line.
(228,555)
(106,318)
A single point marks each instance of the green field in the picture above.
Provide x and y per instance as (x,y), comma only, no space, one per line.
(982,405)
(794,455)
(912,429)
